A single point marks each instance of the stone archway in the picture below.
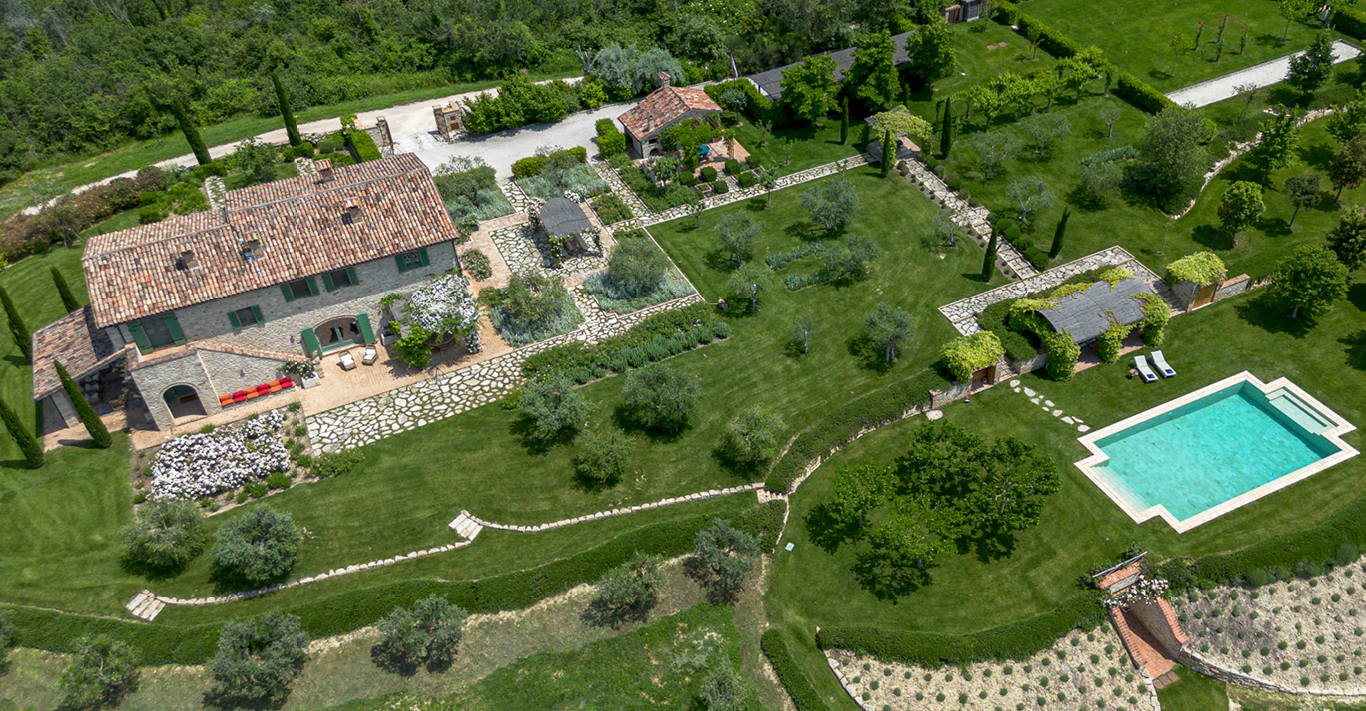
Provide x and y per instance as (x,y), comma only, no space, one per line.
(183,401)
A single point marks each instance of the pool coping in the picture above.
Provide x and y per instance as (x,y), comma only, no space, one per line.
(1112,489)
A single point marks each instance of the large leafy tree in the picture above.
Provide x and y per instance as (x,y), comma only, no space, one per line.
(1171,155)
(1348,168)
(258,657)
(861,490)
(1241,206)
(873,78)
(100,672)
(1303,191)
(1348,121)
(1308,71)
(809,87)
(1014,482)
(930,50)
(1310,280)
(259,545)
(1348,239)
(1280,137)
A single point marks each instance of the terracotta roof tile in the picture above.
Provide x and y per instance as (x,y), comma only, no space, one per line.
(666,104)
(77,343)
(298,223)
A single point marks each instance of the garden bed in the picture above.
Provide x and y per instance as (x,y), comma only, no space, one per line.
(1299,635)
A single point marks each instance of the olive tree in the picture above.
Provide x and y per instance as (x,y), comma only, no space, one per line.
(752,439)
(738,233)
(832,203)
(726,554)
(659,397)
(725,689)
(166,535)
(101,671)
(600,457)
(258,657)
(751,280)
(429,633)
(633,585)
(553,405)
(887,327)
(259,545)
(1030,195)
(636,267)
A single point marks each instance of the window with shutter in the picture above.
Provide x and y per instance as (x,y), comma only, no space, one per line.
(236,322)
(256,314)
(249,316)
(327,283)
(366,333)
(311,345)
(312,286)
(300,288)
(351,279)
(288,292)
(140,337)
(173,327)
(422,256)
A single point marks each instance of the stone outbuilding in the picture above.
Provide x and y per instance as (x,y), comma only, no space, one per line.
(663,108)
(770,82)
(204,309)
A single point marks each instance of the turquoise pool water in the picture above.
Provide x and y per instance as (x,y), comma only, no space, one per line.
(1214,449)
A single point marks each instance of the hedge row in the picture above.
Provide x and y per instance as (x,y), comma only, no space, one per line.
(611,142)
(841,426)
(798,686)
(1349,22)
(662,334)
(350,610)
(1141,94)
(1017,640)
(364,145)
(1052,41)
(532,165)
(759,108)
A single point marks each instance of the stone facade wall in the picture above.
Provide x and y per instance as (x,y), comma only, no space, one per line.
(285,320)
(1185,292)
(1156,623)
(1038,362)
(1236,286)
(154,380)
(230,372)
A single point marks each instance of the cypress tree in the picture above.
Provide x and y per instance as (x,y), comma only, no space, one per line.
(93,425)
(28,444)
(286,112)
(69,301)
(1059,233)
(946,136)
(844,121)
(888,152)
(17,328)
(989,264)
(187,127)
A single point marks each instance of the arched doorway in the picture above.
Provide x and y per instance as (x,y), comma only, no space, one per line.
(183,401)
(338,332)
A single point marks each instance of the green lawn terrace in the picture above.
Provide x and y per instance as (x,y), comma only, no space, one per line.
(1137,35)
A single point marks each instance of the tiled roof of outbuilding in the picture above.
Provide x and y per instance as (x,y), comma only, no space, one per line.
(73,340)
(297,224)
(1087,314)
(666,104)
(770,82)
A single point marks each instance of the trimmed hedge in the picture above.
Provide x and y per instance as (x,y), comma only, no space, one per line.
(350,610)
(839,427)
(364,145)
(655,338)
(1050,40)
(1141,94)
(611,142)
(707,174)
(1007,13)
(791,676)
(746,180)
(1017,640)
(1349,22)
(760,107)
(532,165)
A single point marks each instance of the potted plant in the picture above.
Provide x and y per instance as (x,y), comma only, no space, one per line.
(303,371)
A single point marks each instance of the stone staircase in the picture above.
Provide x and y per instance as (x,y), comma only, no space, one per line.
(145,606)
(974,219)
(520,201)
(466,526)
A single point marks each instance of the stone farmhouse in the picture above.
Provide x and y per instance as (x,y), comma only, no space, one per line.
(664,107)
(202,310)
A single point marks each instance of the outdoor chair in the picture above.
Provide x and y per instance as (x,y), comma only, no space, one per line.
(346,361)
(1160,363)
(371,353)
(1141,365)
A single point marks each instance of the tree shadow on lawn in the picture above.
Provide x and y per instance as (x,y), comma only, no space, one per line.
(1212,237)
(886,577)
(1356,349)
(1271,315)
(720,260)
(600,614)
(536,444)
(828,530)
(621,416)
(1275,227)
(16,360)
(1318,156)
(216,699)
(989,546)
(870,354)
(810,231)
(227,580)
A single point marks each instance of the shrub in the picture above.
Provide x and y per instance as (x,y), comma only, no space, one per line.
(636,266)
(708,174)
(794,680)
(686,179)
(1062,354)
(258,546)
(733,167)
(611,141)
(1350,22)
(698,321)
(477,264)
(365,147)
(725,689)
(659,397)
(8,633)
(600,457)
(279,480)
(611,209)
(966,354)
(720,187)
(531,308)
(1141,94)
(532,165)
(330,464)
(167,535)
(1111,342)
(553,405)
(726,553)
(428,634)
(633,585)
(1050,40)
(258,657)
(746,180)
(752,439)
(100,672)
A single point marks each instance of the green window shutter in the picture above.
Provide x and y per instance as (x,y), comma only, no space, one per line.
(367,333)
(256,311)
(351,277)
(173,326)
(327,282)
(311,345)
(288,292)
(236,322)
(402,267)
(422,254)
(312,286)
(140,337)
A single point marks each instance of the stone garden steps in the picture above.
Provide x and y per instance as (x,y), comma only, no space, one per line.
(145,606)
(466,526)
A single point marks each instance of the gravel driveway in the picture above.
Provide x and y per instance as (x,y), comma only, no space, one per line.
(1264,74)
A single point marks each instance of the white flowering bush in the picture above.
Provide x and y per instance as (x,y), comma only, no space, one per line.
(206,463)
(1145,590)
(441,309)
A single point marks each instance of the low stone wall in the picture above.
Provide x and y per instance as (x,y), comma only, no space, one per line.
(1038,362)
(699,496)
(1237,286)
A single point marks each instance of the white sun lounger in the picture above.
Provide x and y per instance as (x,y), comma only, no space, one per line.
(1161,364)
(1141,365)
(346,361)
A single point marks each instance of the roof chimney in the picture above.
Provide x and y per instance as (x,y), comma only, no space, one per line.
(187,260)
(352,215)
(650,123)
(324,167)
(665,79)
(249,248)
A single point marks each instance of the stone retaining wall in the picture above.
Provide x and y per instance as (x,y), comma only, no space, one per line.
(711,494)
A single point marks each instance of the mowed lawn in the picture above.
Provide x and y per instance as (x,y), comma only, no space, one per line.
(1136,35)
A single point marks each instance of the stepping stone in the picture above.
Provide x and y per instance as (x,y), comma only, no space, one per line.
(465,526)
(933,415)
(1057,413)
(1083,428)
(1015,383)
(1048,403)
(1068,420)
(1033,400)
(1029,392)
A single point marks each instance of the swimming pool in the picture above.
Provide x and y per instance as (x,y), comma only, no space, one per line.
(1211,451)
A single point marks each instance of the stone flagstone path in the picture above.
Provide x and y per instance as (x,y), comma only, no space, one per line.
(147,605)
(973,219)
(1048,406)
